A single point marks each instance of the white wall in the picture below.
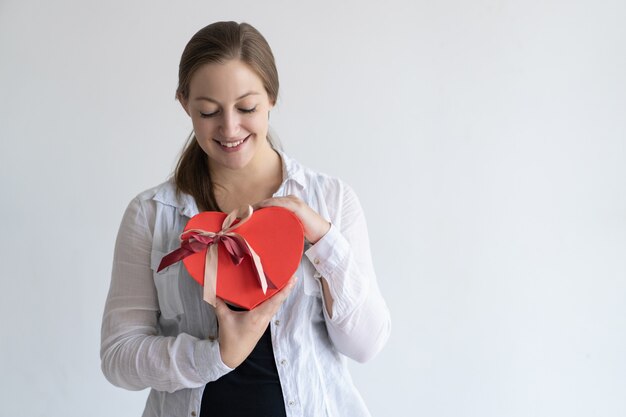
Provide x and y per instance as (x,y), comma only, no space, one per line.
(486,139)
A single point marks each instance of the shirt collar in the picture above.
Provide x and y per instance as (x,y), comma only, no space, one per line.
(292,170)
(186,204)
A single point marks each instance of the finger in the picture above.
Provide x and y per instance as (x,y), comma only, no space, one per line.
(259,204)
(290,285)
(221,309)
(285,202)
(268,202)
(271,305)
(282,295)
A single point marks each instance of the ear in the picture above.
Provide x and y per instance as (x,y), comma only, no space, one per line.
(184,102)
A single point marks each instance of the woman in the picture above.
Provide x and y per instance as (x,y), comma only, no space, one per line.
(286,356)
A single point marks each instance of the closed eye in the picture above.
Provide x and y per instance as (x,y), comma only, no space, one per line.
(213,114)
(207,115)
(251,110)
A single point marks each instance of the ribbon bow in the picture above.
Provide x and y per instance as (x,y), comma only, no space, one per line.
(196,240)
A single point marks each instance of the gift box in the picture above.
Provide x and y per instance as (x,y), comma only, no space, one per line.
(243,258)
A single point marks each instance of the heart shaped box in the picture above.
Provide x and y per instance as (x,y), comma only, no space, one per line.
(274,233)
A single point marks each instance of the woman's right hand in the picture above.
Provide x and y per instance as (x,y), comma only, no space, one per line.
(240,331)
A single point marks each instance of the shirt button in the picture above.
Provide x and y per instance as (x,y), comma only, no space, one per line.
(291,403)
(277,322)
(316,261)
(283,362)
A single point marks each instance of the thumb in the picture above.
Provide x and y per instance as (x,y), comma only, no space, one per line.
(221,309)
(271,305)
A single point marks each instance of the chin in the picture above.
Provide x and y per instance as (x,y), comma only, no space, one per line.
(231,158)
(236,160)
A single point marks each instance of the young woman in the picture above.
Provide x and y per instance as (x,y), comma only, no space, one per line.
(286,357)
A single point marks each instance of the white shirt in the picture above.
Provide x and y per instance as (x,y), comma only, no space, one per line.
(157,332)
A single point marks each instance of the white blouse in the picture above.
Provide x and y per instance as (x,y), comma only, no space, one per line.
(158,333)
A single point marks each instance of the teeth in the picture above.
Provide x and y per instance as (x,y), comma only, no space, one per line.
(232,144)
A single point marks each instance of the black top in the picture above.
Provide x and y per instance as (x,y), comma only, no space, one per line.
(250,390)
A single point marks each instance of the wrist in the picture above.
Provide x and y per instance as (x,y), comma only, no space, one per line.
(226,358)
(321,232)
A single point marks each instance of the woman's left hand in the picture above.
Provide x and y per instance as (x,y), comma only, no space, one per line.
(315,226)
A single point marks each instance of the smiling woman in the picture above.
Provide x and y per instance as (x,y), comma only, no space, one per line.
(287,355)
(229,108)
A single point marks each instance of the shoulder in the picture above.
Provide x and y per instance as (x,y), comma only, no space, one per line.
(159,209)
(328,194)
(166,195)
(313,180)
(165,188)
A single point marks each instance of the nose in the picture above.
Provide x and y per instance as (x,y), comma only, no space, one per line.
(229,127)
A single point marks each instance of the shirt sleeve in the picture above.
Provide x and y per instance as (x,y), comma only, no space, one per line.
(133,354)
(360,324)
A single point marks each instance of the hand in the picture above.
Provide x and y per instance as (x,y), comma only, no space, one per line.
(315,226)
(240,331)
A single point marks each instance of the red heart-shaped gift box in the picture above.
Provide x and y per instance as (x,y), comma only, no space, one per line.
(275,234)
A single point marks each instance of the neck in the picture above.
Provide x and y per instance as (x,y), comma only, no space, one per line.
(258,180)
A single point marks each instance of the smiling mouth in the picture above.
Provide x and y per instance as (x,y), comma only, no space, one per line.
(232,145)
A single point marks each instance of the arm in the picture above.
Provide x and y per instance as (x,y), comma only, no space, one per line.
(360,324)
(357,317)
(133,355)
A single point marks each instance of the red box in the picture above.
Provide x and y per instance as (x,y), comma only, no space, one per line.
(274,233)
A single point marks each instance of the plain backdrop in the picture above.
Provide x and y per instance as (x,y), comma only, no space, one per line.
(485,139)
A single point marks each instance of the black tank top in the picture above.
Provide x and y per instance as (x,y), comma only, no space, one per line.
(250,390)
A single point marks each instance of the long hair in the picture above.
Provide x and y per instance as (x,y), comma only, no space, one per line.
(218,43)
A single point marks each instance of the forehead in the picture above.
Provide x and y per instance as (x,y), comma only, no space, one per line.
(225,82)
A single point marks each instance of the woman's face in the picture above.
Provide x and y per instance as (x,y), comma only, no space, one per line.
(229,109)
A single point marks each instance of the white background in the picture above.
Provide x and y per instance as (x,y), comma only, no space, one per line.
(486,140)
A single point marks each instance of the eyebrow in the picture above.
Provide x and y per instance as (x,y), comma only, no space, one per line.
(250,93)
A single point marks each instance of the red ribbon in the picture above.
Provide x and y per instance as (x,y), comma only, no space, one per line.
(197,240)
